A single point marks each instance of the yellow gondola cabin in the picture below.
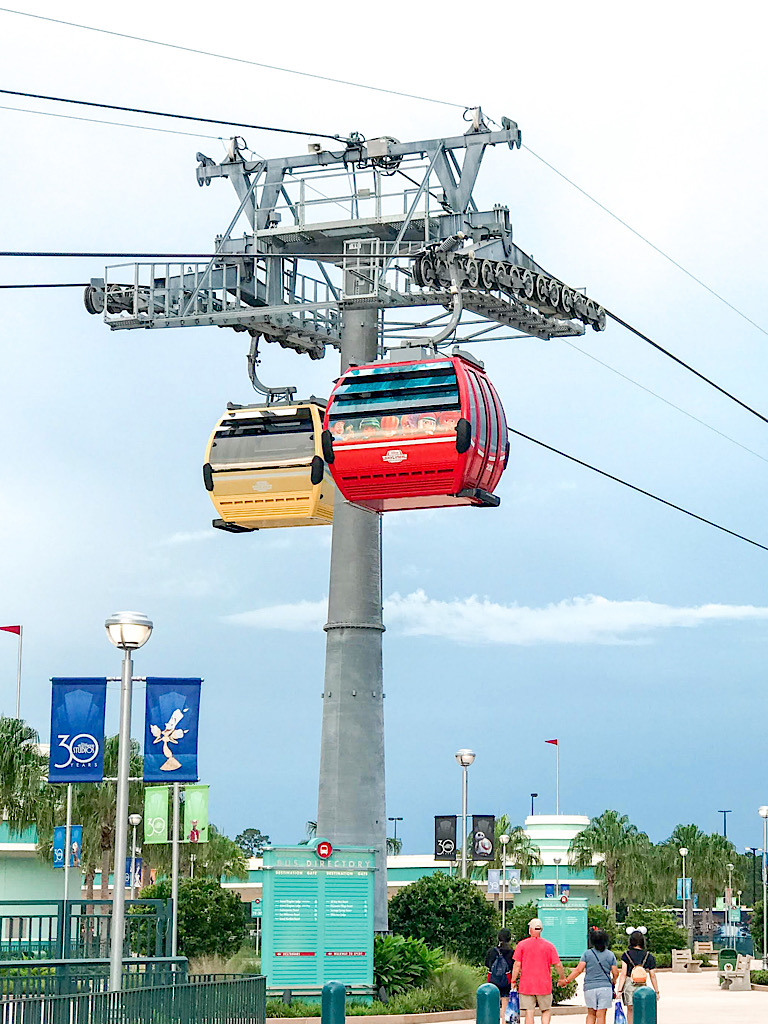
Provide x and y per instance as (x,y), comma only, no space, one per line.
(264,467)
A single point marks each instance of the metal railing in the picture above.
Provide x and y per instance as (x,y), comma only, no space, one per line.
(80,929)
(237,1001)
(23,979)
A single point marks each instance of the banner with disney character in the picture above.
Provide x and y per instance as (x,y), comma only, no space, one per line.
(77,730)
(483,836)
(170,730)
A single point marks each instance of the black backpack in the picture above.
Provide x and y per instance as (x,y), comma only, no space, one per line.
(498,974)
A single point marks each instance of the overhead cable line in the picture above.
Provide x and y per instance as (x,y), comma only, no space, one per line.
(116,124)
(56,285)
(406,95)
(661,398)
(162,113)
(639,490)
(686,366)
(237,60)
(647,241)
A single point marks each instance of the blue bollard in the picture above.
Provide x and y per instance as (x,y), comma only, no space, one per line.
(488,1004)
(644,1005)
(333,1003)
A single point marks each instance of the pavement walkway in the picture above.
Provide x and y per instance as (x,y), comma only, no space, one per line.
(698,999)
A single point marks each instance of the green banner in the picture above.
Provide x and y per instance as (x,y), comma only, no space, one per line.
(195,814)
(156,814)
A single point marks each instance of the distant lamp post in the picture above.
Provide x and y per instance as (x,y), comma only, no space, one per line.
(504,840)
(725,822)
(684,853)
(753,850)
(533,797)
(465,758)
(763,812)
(395,820)
(127,631)
(558,861)
(134,820)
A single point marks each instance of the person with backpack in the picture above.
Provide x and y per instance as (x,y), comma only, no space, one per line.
(600,970)
(499,960)
(636,956)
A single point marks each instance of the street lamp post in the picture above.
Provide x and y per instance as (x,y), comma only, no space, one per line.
(395,820)
(504,840)
(753,851)
(763,812)
(533,797)
(684,853)
(558,861)
(127,631)
(134,820)
(725,822)
(465,758)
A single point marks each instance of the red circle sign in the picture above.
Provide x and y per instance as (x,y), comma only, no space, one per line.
(563,899)
(324,850)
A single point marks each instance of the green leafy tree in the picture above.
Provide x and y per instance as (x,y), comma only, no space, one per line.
(518,918)
(619,851)
(22,773)
(400,964)
(93,807)
(601,917)
(252,842)
(664,933)
(448,912)
(706,863)
(220,856)
(211,919)
(756,927)
(521,852)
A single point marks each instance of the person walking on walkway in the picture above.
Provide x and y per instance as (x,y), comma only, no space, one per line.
(499,960)
(636,956)
(598,965)
(534,959)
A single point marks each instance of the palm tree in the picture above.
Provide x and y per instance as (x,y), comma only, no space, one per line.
(521,852)
(219,856)
(618,851)
(706,861)
(22,773)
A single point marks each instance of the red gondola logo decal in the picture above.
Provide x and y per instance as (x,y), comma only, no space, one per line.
(394,455)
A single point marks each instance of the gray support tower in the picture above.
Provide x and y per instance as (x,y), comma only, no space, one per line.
(351,800)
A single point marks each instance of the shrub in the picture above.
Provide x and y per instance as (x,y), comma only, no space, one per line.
(211,919)
(559,995)
(401,963)
(600,917)
(759,977)
(703,958)
(756,927)
(664,934)
(448,912)
(457,983)
(277,1008)
(518,918)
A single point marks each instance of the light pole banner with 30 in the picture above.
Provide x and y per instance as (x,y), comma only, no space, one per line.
(77,730)
(170,736)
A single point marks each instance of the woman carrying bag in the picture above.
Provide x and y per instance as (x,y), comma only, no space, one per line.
(598,965)
(636,956)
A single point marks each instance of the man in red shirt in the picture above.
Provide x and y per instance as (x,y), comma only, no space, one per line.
(534,957)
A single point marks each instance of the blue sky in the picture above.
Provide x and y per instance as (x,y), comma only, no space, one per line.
(577,609)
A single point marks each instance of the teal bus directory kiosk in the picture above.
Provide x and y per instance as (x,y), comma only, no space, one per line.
(565,923)
(317,907)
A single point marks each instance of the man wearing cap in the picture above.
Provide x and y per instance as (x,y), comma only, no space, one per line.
(534,958)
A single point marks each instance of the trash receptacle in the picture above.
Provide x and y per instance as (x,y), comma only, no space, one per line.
(726,956)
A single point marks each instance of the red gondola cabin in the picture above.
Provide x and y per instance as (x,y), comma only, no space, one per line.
(421,434)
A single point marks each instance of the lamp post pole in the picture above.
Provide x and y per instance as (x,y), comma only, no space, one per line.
(395,820)
(725,822)
(533,797)
(504,840)
(557,875)
(127,631)
(465,758)
(753,851)
(134,820)
(684,854)
(763,812)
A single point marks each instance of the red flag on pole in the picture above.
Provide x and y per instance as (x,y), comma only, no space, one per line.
(551,741)
(12,629)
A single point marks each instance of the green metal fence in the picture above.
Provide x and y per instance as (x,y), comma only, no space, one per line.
(237,1001)
(65,977)
(80,929)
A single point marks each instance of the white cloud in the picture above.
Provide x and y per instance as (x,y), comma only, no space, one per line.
(579,620)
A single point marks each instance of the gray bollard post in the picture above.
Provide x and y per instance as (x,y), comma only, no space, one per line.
(644,1005)
(488,1004)
(333,1003)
